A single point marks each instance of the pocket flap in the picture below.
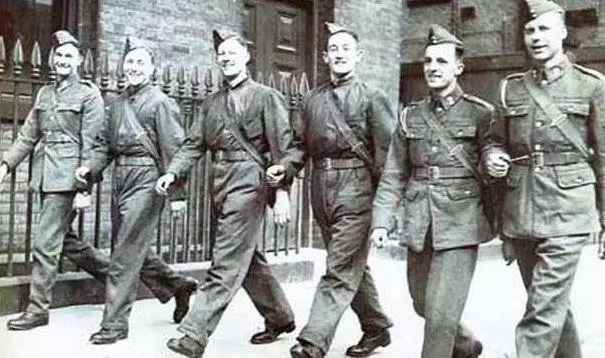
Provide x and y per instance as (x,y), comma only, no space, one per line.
(416,132)
(459,193)
(462,131)
(516,111)
(74,107)
(575,108)
(567,178)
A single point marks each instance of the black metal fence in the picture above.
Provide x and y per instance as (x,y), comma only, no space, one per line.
(183,236)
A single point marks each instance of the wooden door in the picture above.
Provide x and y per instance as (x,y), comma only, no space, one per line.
(277,34)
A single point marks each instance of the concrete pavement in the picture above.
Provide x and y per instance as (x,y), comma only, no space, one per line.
(495,305)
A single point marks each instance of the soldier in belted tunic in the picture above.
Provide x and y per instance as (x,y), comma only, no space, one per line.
(246,127)
(433,163)
(549,142)
(345,130)
(141,133)
(63,120)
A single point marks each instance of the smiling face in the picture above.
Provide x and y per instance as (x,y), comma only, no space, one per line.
(232,57)
(138,66)
(342,54)
(544,35)
(66,59)
(441,66)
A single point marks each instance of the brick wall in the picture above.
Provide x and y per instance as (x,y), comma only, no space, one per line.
(178,31)
(378,23)
(493,31)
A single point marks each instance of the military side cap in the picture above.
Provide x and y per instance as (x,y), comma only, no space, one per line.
(63,37)
(439,35)
(334,29)
(220,36)
(540,7)
(133,43)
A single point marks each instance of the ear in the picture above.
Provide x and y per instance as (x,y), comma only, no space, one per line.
(360,54)
(80,59)
(325,57)
(564,32)
(247,56)
(459,68)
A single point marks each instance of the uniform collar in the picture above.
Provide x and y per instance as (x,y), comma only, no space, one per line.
(443,103)
(67,82)
(135,90)
(551,72)
(236,82)
(342,81)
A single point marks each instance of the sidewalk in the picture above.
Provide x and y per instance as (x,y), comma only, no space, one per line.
(495,305)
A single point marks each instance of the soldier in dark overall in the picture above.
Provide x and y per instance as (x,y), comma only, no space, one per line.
(433,163)
(345,130)
(141,133)
(246,127)
(549,142)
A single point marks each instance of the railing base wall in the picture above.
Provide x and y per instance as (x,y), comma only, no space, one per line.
(78,288)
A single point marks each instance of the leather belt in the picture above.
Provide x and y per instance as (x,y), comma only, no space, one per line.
(434,173)
(130,161)
(545,158)
(338,163)
(230,155)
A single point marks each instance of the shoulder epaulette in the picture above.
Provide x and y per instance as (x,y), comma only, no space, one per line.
(479,101)
(504,83)
(589,71)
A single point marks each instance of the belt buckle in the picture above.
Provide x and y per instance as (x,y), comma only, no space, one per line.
(327,163)
(538,159)
(433,173)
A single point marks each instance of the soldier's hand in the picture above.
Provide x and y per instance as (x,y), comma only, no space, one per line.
(497,164)
(281,208)
(275,174)
(3,171)
(178,205)
(379,237)
(508,252)
(164,182)
(82,174)
(82,201)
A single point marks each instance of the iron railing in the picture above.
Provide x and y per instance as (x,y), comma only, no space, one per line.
(182,236)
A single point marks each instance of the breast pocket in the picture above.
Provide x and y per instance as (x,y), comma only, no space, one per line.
(253,125)
(70,114)
(575,110)
(518,121)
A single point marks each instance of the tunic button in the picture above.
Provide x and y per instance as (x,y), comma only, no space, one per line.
(537,169)
(513,112)
(439,109)
(460,132)
(434,148)
(539,124)
(578,180)
(537,147)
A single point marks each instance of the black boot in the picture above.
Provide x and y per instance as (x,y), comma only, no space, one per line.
(369,342)
(27,321)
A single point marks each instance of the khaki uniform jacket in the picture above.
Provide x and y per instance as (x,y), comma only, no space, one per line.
(64,120)
(553,200)
(451,208)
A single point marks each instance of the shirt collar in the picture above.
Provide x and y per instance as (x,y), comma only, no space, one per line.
(341,81)
(135,90)
(67,82)
(551,72)
(236,82)
(443,103)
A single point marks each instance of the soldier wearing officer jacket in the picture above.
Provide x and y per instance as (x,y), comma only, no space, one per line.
(549,142)
(433,162)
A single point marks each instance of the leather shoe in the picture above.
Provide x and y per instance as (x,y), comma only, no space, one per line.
(186,346)
(369,342)
(108,336)
(181,298)
(27,321)
(473,350)
(300,350)
(270,333)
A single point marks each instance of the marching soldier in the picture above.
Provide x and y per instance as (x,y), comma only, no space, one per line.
(242,124)
(433,163)
(142,132)
(345,130)
(549,142)
(63,119)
